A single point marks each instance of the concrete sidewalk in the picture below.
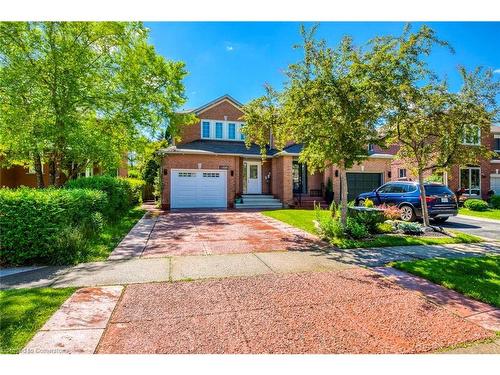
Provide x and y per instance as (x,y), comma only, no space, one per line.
(144,270)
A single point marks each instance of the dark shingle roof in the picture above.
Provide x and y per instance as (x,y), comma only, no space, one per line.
(223,147)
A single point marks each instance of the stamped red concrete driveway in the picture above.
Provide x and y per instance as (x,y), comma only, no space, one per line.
(350,311)
(196,233)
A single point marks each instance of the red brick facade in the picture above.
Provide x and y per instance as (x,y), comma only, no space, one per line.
(280,166)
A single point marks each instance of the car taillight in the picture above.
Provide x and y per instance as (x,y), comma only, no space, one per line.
(430,199)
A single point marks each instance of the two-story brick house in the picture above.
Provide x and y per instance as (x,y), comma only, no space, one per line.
(211,166)
(476,181)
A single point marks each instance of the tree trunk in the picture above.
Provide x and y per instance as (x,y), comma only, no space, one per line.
(425,213)
(52,171)
(39,172)
(57,171)
(343,195)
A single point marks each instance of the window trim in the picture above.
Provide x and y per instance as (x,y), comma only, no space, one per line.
(464,139)
(217,123)
(495,138)
(469,187)
(203,123)
(401,170)
(229,126)
(212,127)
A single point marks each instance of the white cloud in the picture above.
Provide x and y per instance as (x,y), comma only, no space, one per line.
(229,48)
(496,71)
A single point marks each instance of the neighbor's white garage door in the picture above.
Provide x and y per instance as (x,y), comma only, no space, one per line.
(495,184)
(193,188)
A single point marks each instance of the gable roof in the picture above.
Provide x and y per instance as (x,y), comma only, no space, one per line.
(227,97)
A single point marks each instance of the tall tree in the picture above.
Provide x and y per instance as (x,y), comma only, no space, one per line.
(78,93)
(439,129)
(331,104)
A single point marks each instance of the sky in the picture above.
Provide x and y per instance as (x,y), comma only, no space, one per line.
(238,58)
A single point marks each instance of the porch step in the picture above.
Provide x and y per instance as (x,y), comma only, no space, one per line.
(261,201)
(309,203)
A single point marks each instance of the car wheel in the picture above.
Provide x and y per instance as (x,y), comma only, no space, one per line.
(440,219)
(361,203)
(407,213)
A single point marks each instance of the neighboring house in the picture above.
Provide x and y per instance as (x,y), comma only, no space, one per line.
(475,180)
(18,175)
(211,166)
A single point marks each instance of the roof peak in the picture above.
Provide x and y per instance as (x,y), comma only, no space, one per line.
(219,99)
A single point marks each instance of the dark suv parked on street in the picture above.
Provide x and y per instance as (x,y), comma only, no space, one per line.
(441,201)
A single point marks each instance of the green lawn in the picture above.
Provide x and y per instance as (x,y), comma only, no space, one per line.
(489,214)
(478,278)
(303,219)
(112,234)
(24,311)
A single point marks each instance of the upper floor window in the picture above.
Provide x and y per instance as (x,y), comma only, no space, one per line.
(370,147)
(496,144)
(221,130)
(472,136)
(231,131)
(402,173)
(206,129)
(218,130)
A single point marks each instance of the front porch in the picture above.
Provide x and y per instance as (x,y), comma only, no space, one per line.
(277,182)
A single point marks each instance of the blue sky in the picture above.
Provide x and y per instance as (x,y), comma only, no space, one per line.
(237,58)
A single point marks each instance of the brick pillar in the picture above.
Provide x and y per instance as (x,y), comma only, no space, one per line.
(287,178)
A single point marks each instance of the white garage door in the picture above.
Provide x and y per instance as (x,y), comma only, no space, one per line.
(194,188)
(495,184)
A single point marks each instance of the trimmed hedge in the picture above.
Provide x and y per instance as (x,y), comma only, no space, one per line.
(137,189)
(495,201)
(120,193)
(48,226)
(476,205)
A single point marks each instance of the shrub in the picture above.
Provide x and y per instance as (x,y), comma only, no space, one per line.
(137,189)
(368,203)
(476,205)
(495,201)
(47,226)
(118,190)
(368,217)
(356,229)
(329,226)
(384,228)
(410,228)
(391,212)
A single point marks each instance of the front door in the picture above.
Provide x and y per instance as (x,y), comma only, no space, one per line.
(254,179)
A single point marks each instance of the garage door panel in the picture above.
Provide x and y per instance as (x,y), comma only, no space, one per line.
(358,183)
(199,188)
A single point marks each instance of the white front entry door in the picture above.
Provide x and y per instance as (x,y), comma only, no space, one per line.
(495,184)
(254,178)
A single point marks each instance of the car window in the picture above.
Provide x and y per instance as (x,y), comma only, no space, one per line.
(409,188)
(398,188)
(437,190)
(385,188)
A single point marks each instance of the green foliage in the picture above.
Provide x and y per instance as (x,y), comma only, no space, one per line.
(136,189)
(476,204)
(476,277)
(369,203)
(329,226)
(120,192)
(79,93)
(24,312)
(410,228)
(495,201)
(369,218)
(384,228)
(356,229)
(48,226)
